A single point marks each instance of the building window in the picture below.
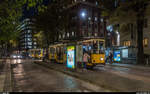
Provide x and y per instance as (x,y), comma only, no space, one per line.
(72,33)
(127,43)
(64,35)
(59,36)
(145,42)
(67,34)
(95,18)
(145,23)
(96,3)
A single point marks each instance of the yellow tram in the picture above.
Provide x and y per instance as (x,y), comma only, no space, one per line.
(57,53)
(95,48)
(37,53)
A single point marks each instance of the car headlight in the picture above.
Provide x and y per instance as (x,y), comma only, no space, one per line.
(101,59)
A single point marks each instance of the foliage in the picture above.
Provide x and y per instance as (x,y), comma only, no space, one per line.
(10,13)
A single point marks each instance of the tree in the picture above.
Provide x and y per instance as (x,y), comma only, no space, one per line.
(10,13)
(52,21)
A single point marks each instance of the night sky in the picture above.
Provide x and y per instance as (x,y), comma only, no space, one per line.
(32,11)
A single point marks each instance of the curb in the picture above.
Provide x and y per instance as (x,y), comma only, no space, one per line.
(76,76)
(8,79)
(130,67)
(3,76)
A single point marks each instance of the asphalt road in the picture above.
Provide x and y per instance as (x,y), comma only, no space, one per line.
(30,77)
(131,73)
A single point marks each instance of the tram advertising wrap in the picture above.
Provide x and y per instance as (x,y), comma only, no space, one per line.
(71,57)
(117,56)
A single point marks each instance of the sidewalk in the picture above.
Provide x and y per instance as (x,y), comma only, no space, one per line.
(103,79)
(133,66)
(2,75)
(5,78)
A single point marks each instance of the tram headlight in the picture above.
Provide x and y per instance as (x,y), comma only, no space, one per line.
(101,59)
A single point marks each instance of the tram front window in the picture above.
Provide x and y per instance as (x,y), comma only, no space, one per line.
(98,48)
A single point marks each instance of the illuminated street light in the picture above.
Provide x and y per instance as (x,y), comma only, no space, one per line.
(83,14)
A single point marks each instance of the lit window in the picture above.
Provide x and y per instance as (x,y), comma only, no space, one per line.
(29,39)
(29,43)
(95,18)
(67,34)
(29,31)
(72,33)
(89,18)
(127,43)
(96,3)
(30,47)
(59,36)
(145,42)
(64,35)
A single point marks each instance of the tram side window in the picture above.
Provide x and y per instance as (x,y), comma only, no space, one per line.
(39,52)
(101,47)
(52,50)
(95,48)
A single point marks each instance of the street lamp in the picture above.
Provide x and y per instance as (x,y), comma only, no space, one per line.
(83,14)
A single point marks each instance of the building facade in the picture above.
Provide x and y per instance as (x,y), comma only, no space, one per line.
(84,21)
(27,30)
(128,39)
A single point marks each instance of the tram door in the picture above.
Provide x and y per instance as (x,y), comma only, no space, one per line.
(52,53)
(79,54)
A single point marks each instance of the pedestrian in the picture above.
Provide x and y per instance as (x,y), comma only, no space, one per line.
(111,57)
(107,58)
(86,59)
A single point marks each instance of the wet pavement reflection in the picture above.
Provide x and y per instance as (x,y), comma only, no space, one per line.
(131,73)
(30,77)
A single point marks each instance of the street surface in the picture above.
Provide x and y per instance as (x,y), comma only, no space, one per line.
(30,77)
(27,76)
(131,73)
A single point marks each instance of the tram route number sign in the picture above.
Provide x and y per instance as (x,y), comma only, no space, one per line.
(71,57)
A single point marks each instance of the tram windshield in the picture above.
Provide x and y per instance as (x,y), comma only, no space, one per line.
(95,47)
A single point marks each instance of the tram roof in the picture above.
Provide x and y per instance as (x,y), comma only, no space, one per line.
(55,45)
(88,40)
(35,49)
